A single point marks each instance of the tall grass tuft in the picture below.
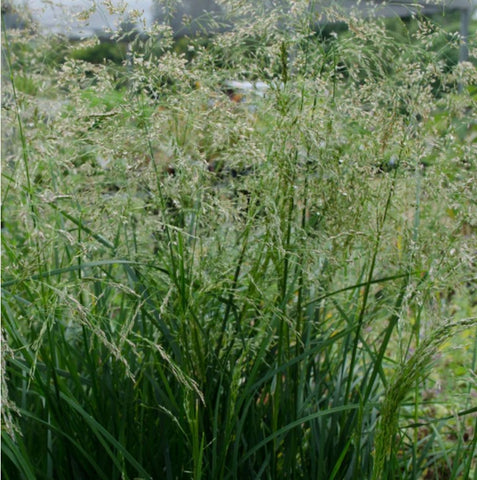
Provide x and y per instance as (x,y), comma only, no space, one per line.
(195,287)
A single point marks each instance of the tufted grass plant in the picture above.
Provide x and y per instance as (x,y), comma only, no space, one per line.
(199,288)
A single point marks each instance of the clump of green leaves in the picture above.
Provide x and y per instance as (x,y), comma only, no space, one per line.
(203,283)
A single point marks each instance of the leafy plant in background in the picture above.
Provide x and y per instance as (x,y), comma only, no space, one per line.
(198,288)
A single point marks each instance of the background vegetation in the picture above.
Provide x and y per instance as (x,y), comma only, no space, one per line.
(200,282)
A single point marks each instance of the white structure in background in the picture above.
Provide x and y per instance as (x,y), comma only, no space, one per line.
(243,87)
(86,18)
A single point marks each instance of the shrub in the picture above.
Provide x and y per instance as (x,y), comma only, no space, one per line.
(198,288)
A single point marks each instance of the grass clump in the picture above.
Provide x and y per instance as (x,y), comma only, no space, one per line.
(199,288)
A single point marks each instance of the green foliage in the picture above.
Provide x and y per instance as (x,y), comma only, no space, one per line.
(277,287)
(100,53)
(26,85)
